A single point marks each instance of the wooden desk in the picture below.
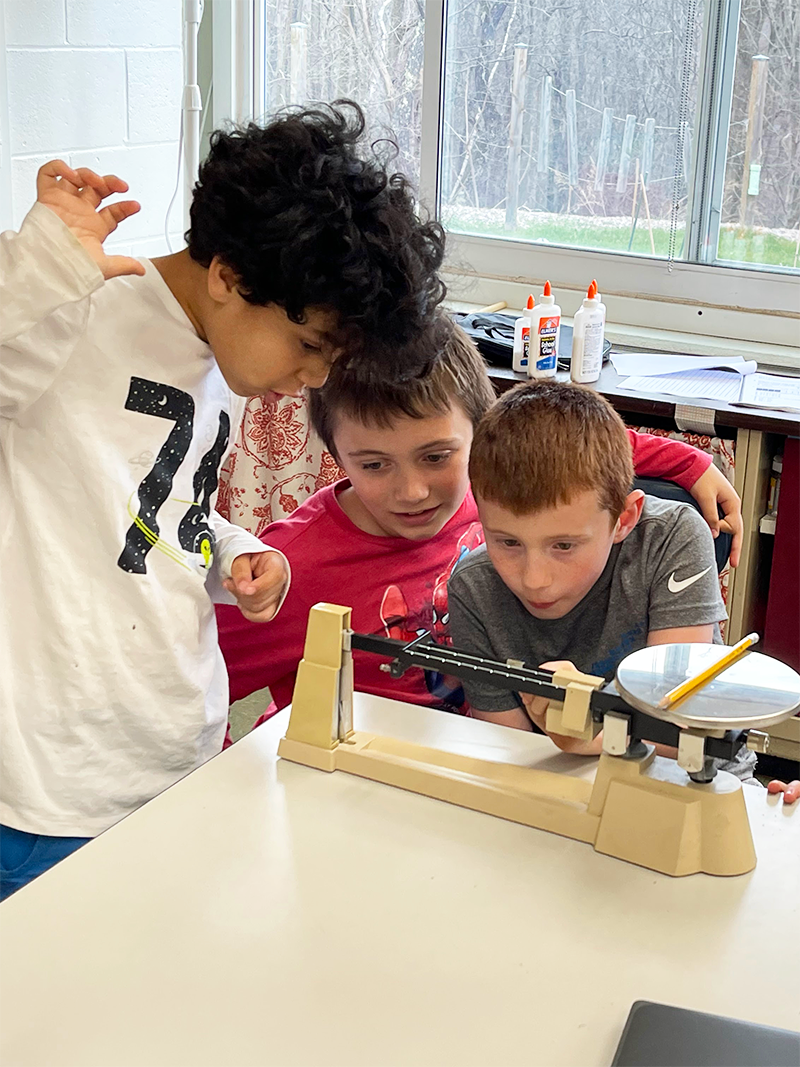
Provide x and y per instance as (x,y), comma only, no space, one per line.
(662,405)
(261,912)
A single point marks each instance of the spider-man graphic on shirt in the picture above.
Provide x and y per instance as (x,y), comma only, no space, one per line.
(397,623)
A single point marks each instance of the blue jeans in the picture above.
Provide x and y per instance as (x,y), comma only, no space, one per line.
(25,856)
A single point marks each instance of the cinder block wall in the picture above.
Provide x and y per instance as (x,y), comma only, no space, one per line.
(98,83)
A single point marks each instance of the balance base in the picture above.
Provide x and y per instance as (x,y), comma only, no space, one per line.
(645,811)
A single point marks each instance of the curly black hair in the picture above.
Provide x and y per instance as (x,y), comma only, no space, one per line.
(307,215)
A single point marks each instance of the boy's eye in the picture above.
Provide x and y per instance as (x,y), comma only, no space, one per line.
(375,465)
(509,542)
(563,546)
(311,348)
(437,457)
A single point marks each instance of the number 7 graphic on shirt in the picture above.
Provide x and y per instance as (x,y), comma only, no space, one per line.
(194,533)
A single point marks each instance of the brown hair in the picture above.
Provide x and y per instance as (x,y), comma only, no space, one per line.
(544,441)
(455,373)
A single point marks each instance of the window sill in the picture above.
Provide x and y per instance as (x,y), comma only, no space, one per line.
(653,339)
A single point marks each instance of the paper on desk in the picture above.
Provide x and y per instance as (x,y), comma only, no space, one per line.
(647,364)
(770,391)
(706,384)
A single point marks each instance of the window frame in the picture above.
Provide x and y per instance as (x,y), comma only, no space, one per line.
(233,62)
(6,207)
(715,99)
(747,308)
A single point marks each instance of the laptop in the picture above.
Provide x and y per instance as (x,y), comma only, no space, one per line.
(657,1035)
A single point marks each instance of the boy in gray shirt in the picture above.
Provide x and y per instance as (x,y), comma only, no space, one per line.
(576,566)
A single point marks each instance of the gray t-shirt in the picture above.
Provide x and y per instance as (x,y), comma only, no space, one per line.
(663,575)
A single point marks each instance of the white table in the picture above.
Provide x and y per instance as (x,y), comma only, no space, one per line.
(261,912)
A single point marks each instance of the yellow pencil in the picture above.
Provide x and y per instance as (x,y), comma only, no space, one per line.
(691,685)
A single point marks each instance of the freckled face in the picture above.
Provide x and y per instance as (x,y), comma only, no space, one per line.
(550,559)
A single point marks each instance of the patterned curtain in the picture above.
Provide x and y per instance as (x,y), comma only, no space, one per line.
(277,461)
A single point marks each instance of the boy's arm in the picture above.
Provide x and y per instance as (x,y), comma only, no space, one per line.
(691,469)
(247,572)
(536,708)
(659,457)
(713,492)
(42,268)
(47,273)
(57,258)
(258,656)
(469,634)
(682,635)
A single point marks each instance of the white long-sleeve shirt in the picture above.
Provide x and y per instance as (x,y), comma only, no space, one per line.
(114,419)
(42,268)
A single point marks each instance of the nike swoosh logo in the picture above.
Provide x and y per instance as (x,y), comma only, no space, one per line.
(676,587)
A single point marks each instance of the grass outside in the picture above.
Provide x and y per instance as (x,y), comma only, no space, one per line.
(752,245)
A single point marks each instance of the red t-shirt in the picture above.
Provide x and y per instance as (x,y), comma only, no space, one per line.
(396,587)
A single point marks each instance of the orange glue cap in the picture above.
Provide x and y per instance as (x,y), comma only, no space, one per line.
(547,291)
(592,293)
(530,303)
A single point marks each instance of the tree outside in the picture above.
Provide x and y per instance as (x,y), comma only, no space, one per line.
(566,121)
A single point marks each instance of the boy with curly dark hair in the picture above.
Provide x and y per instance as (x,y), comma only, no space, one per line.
(115,395)
(305,221)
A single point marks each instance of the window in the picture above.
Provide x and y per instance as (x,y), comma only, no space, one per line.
(655,146)
(761,198)
(583,131)
(571,130)
(366,50)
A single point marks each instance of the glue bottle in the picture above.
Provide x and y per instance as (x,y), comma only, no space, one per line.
(545,330)
(588,332)
(601,305)
(522,337)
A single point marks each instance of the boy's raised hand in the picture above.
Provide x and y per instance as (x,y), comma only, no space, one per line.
(258,580)
(75,195)
(712,491)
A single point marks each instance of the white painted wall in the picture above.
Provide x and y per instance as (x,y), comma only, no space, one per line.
(97,83)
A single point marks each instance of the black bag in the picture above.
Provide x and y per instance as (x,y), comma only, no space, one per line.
(494,336)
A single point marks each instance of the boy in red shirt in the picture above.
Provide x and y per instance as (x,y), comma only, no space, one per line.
(386,538)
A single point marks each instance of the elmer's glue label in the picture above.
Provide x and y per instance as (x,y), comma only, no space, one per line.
(522,338)
(545,330)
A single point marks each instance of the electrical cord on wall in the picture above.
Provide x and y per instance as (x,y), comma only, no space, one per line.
(177,186)
(206,110)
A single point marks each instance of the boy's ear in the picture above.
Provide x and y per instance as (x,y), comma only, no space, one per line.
(631,513)
(222,281)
